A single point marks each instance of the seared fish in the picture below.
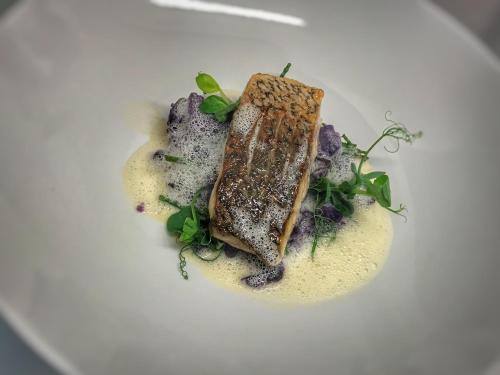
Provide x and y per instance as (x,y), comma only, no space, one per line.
(269,151)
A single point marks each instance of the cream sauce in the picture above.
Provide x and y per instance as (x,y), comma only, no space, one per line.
(339,267)
(144,181)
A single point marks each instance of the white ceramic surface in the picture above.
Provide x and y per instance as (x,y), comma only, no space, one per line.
(93,286)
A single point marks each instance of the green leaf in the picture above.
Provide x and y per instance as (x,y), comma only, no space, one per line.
(321,187)
(175,222)
(384,198)
(347,187)
(224,114)
(371,188)
(190,225)
(232,106)
(213,104)
(164,199)
(342,204)
(357,177)
(194,211)
(189,230)
(207,83)
(328,192)
(221,116)
(203,237)
(314,244)
(372,175)
(380,190)
(354,169)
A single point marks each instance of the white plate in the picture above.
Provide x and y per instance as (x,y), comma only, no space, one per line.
(93,286)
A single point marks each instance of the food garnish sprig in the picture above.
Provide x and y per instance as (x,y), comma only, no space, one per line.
(220,106)
(375,185)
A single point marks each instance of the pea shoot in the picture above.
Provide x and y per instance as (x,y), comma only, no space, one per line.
(161,156)
(220,106)
(190,225)
(374,184)
(285,70)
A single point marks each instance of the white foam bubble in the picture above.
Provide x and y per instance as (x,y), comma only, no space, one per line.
(200,143)
(341,168)
(257,232)
(244,118)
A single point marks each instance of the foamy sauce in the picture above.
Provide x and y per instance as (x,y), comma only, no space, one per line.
(339,267)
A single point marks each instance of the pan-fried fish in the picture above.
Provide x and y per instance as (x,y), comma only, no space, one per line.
(265,173)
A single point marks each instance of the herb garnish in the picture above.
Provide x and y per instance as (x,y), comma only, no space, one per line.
(285,70)
(161,156)
(350,148)
(190,226)
(218,105)
(172,159)
(374,184)
(164,199)
(324,227)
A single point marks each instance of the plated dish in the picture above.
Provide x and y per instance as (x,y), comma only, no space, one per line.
(264,195)
(94,286)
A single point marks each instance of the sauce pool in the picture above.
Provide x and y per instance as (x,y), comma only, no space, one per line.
(338,267)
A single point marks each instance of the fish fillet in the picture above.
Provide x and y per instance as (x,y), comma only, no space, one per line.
(269,151)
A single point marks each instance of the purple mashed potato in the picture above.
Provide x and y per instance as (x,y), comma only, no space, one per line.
(329,147)
(303,229)
(264,274)
(198,139)
(185,113)
(330,212)
(329,142)
(267,276)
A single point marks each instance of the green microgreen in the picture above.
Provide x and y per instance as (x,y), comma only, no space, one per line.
(160,155)
(190,225)
(220,106)
(374,184)
(173,159)
(285,70)
(207,83)
(164,199)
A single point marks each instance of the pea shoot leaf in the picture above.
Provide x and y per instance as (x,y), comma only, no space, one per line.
(213,104)
(189,230)
(374,184)
(190,226)
(372,175)
(207,83)
(384,195)
(175,222)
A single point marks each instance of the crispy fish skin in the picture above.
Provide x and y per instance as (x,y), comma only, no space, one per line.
(264,178)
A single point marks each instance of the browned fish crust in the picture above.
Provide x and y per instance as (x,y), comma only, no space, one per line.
(265,173)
